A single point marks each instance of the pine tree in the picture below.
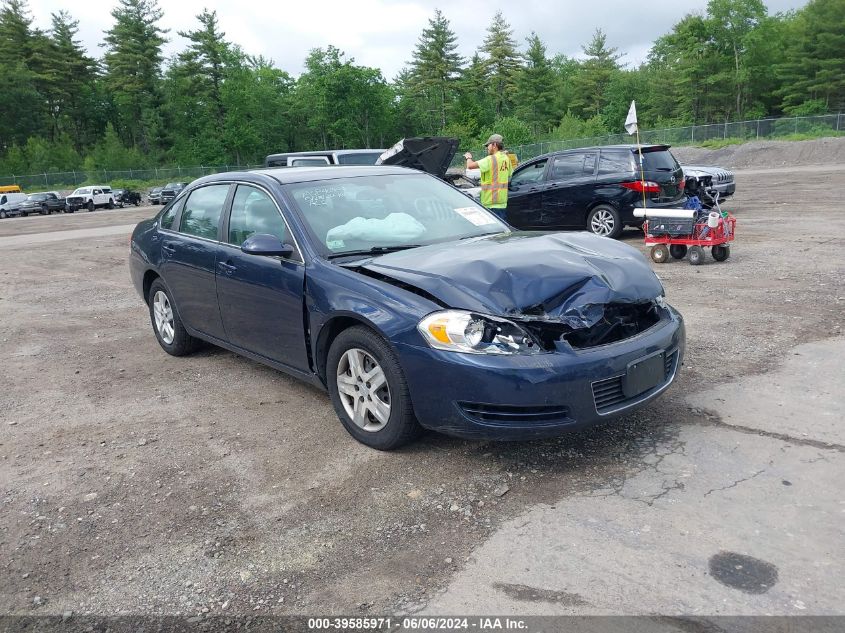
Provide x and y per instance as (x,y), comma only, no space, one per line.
(594,76)
(536,95)
(204,62)
(813,71)
(503,64)
(133,69)
(436,66)
(16,33)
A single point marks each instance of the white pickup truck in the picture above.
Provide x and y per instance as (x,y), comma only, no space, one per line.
(90,198)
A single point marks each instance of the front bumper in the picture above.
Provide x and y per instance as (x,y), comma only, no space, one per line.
(528,397)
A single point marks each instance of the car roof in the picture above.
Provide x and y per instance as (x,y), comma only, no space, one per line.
(630,147)
(290,175)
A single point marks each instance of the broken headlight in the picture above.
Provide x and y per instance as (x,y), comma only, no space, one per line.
(459,331)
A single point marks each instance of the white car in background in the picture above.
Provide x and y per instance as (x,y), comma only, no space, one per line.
(90,198)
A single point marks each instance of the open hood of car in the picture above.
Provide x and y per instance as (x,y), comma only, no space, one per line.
(431,154)
(567,278)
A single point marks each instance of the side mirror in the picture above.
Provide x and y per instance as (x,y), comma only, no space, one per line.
(266,245)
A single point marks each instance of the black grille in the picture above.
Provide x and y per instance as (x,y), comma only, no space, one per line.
(608,393)
(506,414)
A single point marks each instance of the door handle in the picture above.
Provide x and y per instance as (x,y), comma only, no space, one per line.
(168,248)
(226,268)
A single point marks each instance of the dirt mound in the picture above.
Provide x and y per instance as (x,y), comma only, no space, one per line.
(766,154)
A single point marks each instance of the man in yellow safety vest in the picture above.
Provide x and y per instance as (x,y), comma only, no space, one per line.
(496,171)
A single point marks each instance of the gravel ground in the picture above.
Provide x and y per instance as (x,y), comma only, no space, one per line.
(134,482)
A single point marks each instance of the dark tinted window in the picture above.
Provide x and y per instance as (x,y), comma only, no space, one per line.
(364,158)
(168,215)
(572,166)
(202,211)
(615,162)
(530,173)
(659,161)
(253,211)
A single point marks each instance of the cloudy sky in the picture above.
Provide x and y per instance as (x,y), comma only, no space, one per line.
(382,33)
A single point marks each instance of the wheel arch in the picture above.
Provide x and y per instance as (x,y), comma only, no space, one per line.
(149,277)
(329,331)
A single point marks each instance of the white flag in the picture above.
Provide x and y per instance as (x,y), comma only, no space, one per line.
(631,121)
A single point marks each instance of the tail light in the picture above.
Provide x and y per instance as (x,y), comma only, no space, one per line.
(640,186)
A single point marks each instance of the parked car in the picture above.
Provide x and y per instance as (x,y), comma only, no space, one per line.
(44,203)
(10,204)
(593,188)
(171,190)
(154,195)
(410,303)
(94,197)
(712,178)
(324,157)
(122,197)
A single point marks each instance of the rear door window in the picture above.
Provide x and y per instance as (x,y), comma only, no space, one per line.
(615,163)
(530,173)
(572,166)
(201,215)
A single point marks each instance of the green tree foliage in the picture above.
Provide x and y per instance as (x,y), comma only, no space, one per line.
(434,70)
(503,64)
(536,88)
(212,104)
(595,74)
(812,73)
(133,71)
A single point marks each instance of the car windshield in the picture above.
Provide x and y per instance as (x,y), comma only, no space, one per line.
(358,158)
(81,191)
(347,215)
(37,196)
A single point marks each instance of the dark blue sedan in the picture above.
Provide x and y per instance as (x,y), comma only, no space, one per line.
(411,304)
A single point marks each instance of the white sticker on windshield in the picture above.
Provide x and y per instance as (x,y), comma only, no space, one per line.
(335,244)
(475,215)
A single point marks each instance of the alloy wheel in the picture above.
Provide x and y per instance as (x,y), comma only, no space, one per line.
(163,313)
(363,389)
(602,222)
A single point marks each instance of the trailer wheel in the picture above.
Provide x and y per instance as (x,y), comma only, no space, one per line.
(677,251)
(659,253)
(721,252)
(696,255)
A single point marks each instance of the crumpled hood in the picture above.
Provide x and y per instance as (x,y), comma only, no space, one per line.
(565,277)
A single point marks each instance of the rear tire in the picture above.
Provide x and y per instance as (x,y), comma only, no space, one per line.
(720,252)
(3,215)
(384,417)
(167,325)
(678,251)
(659,253)
(110,205)
(696,255)
(604,220)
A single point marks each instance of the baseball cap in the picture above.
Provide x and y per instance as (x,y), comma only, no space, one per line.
(495,138)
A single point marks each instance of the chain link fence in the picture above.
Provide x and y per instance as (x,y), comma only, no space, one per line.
(73,179)
(821,125)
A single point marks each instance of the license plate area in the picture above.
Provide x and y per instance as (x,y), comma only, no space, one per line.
(644,374)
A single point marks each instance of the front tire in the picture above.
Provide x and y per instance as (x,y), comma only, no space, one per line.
(169,330)
(369,391)
(45,210)
(3,215)
(659,253)
(696,255)
(90,206)
(604,220)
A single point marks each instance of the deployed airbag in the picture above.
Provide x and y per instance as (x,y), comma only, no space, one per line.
(395,228)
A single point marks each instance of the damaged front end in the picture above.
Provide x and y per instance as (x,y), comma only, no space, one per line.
(610,323)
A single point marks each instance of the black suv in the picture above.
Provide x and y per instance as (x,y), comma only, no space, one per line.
(596,188)
(171,190)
